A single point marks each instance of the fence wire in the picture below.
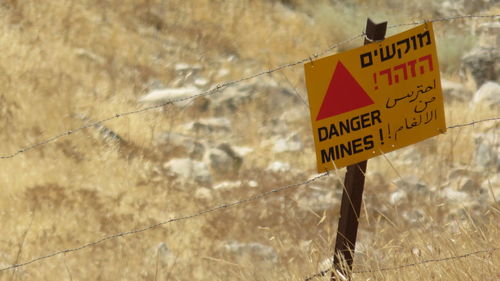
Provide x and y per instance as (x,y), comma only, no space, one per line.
(221,86)
(248,199)
(177,219)
(203,212)
(403,266)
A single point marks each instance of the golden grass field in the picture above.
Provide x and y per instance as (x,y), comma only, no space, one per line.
(61,59)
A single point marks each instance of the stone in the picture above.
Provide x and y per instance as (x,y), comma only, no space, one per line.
(251,250)
(201,82)
(209,126)
(398,197)
(183,144)
(482,64)
(413,215)
(492,187)
(453,91)
(317,199)
(411,183)
(229,99)
(242,150)
(189,170)
(226,185)
(164,254)
(179,96)
(223,160)
(185,67)
(455,196)
(268,95)
(469,185)
(278,167)
(487,147)
(459,173)
(488,93)
(203,193)
(253,183)
(288,144)
(222,73)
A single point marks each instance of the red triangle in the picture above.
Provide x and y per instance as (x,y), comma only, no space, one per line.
(344,94)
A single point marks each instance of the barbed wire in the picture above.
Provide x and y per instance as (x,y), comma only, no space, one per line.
(177,219)
(457,17)
(325,272)
(207,211)
(221,86)
(474,122)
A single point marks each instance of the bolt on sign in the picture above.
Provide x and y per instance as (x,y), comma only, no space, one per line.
(376,98)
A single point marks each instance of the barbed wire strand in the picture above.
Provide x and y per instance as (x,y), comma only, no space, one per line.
(177,219)
(325,272)
(211,210)
(219,87)
(149,108)
(474,122)
(457,17)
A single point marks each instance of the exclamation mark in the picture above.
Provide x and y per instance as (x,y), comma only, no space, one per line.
(375,80)
(381,136)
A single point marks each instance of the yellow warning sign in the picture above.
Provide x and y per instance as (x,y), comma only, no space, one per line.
(376,98)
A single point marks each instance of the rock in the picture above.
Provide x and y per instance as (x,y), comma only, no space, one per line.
(398,197)
(230,99)
(487,149)
(222,73)
(179,96)
(242,150)
(184,67)
(278,167)
(293,115)
(488,93)
(253,183)
(455,196)
(411,183)
(460,173)
(492,187)
(453,91)
(267,94)
(183,144)
(203,193)
(87,54)
(189,170)
(201,82)
(469,185)
(209,125)
(482,64)
(413,216)
(226,185)
(289,144)
(251,251)
(316,199)
(165,255)
(489,34)
(223,160)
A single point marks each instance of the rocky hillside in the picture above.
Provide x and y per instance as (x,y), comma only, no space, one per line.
(65,64)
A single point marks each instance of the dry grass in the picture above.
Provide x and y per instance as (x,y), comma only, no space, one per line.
(62,58)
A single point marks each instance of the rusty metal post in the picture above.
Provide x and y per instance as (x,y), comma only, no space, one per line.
(353,193)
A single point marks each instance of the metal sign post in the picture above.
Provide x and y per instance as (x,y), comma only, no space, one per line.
(352,195)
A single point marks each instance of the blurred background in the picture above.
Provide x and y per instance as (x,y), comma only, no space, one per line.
(65,64)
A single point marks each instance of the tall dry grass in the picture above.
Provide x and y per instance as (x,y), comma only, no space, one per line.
(61,59)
